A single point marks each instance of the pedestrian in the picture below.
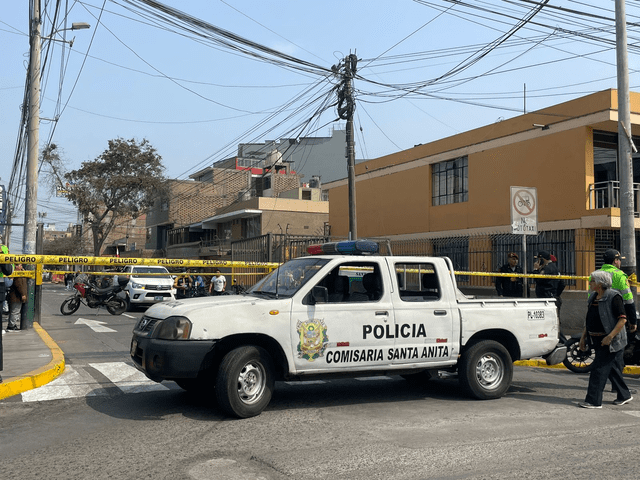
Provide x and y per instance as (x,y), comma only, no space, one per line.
(612,262)
(199,284)
(218,283)
(17,297)
(510,286)
(545,287)
(182,283)
(68,280)
(604,329)
(6,269)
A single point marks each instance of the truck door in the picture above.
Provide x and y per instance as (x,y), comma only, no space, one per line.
(352,329)
(424,318)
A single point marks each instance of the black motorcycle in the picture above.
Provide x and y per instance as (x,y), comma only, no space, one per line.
(580,361)
(94,297)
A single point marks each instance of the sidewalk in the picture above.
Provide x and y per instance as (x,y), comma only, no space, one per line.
(31,359)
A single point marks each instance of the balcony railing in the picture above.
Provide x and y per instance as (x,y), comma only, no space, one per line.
(607,195)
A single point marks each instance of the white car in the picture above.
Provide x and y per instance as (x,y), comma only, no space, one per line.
(146,289)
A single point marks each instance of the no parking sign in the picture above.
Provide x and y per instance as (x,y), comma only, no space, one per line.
(524,210)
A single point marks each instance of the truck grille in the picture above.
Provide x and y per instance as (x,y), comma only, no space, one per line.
(158,287)
(146,324)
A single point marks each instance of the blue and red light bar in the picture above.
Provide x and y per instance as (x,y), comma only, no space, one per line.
(347,247)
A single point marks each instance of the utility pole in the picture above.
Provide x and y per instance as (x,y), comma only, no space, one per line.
(31,197)
(33,134)
(625,145)
(346,107)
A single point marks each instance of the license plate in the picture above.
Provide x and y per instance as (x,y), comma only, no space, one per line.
(158,298)
(134,347)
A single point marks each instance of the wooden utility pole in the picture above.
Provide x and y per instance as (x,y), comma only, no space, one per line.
(346,107)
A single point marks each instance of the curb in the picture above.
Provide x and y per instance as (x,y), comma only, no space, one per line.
(629,369)
(40,376)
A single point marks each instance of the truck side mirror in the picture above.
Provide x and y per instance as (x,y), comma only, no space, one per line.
(320,294)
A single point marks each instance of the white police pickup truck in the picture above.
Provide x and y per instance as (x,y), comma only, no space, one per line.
(326,315)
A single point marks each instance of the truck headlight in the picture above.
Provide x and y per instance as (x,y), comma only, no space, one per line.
(136,285)
(174,328)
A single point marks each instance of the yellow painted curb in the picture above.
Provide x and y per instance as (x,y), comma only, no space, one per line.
(629,369)
(40,376)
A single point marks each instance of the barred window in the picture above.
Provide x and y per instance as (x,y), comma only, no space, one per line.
(450,181)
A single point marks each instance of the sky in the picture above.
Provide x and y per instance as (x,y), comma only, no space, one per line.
(427,69)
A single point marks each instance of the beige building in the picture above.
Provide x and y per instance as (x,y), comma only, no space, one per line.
(459,187)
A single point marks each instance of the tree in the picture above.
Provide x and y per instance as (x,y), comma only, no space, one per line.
(61,246)
(118,185)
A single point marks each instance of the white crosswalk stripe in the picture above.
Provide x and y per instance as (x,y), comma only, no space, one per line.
(127,378)
(77,381)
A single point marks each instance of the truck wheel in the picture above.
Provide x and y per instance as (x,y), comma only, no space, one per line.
(245,381)
(486,370)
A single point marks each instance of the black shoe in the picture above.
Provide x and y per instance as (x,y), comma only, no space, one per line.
(13,329)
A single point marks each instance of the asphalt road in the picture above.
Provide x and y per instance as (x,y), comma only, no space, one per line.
(370,428)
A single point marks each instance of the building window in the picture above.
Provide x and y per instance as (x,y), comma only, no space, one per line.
(450,181)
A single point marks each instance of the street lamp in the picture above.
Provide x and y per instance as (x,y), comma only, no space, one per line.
(74,26)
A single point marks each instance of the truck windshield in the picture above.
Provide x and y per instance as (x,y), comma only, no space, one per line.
(290,277)
(142,272)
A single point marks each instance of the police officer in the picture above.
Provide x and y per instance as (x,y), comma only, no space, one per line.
(545,287)
(612,261)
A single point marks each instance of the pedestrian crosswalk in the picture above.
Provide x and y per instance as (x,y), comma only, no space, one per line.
(95,379)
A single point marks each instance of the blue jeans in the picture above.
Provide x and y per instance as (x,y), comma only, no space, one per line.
(606,365)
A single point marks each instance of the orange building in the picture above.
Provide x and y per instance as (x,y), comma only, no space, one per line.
(459,187)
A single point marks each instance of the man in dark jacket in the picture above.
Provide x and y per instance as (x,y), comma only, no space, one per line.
(510,286)
(545,287)
(17,295)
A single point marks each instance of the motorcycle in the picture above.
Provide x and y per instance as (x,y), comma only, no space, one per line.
(580,361)
(92,296)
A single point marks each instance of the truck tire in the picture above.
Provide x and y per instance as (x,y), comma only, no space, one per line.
(486,370)
(245,382)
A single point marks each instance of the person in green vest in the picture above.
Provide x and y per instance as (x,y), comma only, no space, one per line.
(612,261)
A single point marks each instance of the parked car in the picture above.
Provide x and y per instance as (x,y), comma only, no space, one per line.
(146,289)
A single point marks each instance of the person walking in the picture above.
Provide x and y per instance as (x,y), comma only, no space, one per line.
(510,286)
(17,297)
(218,283)
(604,329)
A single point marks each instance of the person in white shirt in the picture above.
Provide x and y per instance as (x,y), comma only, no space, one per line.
(218,283)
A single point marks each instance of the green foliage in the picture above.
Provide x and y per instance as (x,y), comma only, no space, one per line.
(120,184)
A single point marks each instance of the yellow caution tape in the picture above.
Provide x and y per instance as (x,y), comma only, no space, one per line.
(122,261)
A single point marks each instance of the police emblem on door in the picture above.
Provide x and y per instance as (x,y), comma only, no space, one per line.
(313,339)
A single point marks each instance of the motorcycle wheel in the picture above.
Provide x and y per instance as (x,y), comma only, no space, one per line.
(117,306)
(578,361)
(70,305)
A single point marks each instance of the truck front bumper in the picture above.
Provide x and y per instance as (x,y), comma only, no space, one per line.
(169,359)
